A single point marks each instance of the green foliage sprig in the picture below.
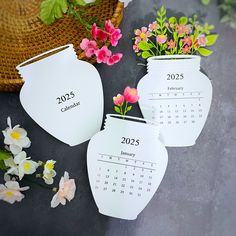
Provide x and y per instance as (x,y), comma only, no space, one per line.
(174,36)
(51,10)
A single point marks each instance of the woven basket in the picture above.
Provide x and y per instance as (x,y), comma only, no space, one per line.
(23,35)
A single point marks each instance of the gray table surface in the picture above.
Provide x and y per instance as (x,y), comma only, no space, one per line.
(198,194)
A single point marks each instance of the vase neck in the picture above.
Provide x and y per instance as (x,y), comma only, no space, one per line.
(173,62)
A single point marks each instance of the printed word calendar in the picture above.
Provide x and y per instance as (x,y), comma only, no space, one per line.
(178,100)
(126,163)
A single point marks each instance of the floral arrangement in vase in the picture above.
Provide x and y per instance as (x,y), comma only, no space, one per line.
(168,36)
(17,165)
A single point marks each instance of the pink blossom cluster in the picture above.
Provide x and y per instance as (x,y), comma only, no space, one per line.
(184,31)
(103,54)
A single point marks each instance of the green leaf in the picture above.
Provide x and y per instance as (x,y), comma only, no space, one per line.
(144,46)
(52,10)
(128,108)
(81,2)
(172,20)
(2,165)
(146,54)
(205,2)
(183,20)
(211,39)
(117,109)
(4,155)
(205,52)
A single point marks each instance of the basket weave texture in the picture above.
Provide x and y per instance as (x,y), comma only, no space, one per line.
(23,35)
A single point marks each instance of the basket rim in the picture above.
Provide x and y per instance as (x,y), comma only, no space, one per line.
(118,12)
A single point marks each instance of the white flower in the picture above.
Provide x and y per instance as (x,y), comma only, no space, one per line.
(15,137)
(10,192)
(23,165)
(89,1)
(66,190)
(12,165)
(126,2)
(49,173)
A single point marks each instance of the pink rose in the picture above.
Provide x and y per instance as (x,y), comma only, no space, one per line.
(161,38)
(103,54)
(131,95)
(119,100)
(114,59)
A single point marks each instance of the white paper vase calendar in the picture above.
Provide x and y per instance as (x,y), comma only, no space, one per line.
(126,163)
(176,95)
(63,95)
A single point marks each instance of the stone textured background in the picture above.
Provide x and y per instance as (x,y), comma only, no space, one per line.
(198,194)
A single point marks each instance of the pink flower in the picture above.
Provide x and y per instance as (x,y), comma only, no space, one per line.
(187,40)
(161,38)
(11,192)
(131,95)
(94,31)
(98,33)
(89,47)
(153,26)
(135,48)
(109,27)
(188,29)
(171,44)
(66,191)
(142,34)
(113,59)
(202,40)
(115,36)
(119,100)
(181,29)
(186,50)
(103,54)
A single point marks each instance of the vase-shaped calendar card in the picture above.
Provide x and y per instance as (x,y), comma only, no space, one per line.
(126,164)
(63,95)
(177,96)
(174,93)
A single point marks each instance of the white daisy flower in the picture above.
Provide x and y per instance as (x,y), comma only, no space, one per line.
(15,137)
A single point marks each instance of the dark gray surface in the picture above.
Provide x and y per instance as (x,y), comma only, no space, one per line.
(198,194)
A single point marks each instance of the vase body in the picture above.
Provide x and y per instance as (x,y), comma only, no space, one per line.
(126,163)
(177,96)
(62,94)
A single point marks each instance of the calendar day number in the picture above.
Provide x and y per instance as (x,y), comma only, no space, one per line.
(130,141)
(175,76)
(65,97)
